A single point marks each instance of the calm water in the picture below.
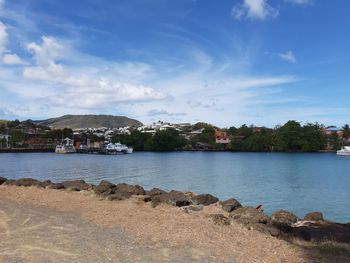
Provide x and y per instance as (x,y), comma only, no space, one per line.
(297,182)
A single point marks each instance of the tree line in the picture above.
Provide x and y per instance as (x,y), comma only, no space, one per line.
(291,137)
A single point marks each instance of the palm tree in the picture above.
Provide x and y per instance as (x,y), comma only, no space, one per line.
(346,132)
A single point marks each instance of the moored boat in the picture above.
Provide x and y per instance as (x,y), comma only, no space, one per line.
(128,150)
(345,151)
(118,148)
(66,147)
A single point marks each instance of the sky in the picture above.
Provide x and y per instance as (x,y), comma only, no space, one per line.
(227,62)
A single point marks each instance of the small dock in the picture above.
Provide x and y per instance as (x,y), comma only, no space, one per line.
(92,151)
(27,150)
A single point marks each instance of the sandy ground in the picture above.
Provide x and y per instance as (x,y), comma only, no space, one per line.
(41,225)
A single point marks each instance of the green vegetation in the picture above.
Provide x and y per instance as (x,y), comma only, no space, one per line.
(17,137)
(166,140)
(136,139)
(207,136)
(290,137)
(333,250)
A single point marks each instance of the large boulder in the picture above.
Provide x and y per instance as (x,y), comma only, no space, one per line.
(322,231)
(283,220)
(230,205)
(175,198)
(254,219)
(155,191)
(45,183)
(77,185)
(132,189)
(249,216)
(56,186)
(204,199)
(314,216)
(105,188)
(2,180)
(24,182)
(9,182)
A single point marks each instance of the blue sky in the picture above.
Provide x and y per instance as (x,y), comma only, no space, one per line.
(226,62)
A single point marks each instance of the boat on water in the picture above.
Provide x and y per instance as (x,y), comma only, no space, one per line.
(66,147)
(118,148)
(345,151)
(129,150)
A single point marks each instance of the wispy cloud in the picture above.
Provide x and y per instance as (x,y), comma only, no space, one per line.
(178,75)
(254,10)
(288,56)
(12,59)
(156,112)
(299,2)
(3,37)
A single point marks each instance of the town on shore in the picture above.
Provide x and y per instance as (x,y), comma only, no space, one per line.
(163,136)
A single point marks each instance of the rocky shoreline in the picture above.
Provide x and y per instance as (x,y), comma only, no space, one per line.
(282,224)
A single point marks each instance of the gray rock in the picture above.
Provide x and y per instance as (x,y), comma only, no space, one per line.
(175,198)
(132,189)
(119,196)
(314,216)
(45,183)
(254,219)
(56,186)
(321,231)
(204,199)
(2,180)
(283,220)
(155,191)
(78,185)
(105,188)
(25,182)
(230,205)
(249,216)
(9,182)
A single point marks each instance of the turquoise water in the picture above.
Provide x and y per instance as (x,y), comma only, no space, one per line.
(300,183)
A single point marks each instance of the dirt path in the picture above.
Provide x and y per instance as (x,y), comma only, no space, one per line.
(39,225)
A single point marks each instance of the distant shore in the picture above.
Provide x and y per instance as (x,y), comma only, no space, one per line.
(51,150)
(190,227)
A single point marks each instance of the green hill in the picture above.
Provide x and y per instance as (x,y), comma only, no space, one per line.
(89,121)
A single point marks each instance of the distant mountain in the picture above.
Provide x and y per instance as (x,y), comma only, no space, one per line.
(89,121)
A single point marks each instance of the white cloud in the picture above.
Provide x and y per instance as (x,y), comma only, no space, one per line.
(288,56)
(58,79)
(299,2)
(156,112)
(89,87)
(3,37)
(12,59)
(2,2)
(254,9)
(46,52)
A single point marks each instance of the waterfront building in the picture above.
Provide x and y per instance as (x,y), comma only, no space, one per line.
(221,137)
